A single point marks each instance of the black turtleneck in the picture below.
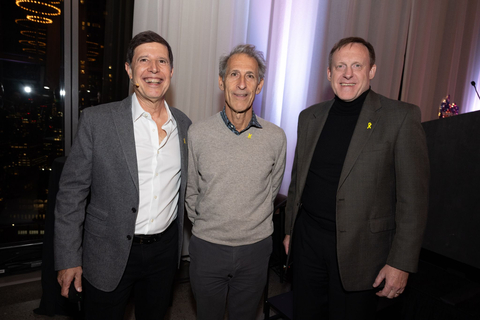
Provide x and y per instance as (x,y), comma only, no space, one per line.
(320,192)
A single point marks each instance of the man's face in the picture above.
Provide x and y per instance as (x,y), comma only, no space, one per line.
(150,71)
(241,82)
(350,72)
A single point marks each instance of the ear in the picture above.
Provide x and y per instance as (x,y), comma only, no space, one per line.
(129,70)
(259,87)
(372,71)
(171,73)
(329,74)
(220,83)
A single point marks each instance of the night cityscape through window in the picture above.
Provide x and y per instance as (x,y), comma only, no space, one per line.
(33,121)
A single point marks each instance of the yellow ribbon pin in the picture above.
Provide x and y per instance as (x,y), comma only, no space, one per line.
(249,136)
(369,126)
(184,141)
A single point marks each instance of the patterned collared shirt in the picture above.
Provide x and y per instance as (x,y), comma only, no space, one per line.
(253,122)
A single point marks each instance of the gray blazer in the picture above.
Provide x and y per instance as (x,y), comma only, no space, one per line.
(102,165)
(382,196)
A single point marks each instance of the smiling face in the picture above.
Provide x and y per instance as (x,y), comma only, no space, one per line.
(350,72)
(150,72)
(241,83)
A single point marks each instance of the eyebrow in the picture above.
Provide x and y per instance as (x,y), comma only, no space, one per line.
(238,71)
(149,56)
(344,63)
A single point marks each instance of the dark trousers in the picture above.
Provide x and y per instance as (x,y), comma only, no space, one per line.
(317,289)
(223,275)
(149,275)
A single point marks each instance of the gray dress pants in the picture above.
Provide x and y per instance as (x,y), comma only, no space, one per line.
(229,276)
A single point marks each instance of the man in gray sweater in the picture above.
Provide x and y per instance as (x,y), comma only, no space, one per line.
(236,166)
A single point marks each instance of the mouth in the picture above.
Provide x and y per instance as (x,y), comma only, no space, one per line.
(153,80)
(243,95)
(347,84)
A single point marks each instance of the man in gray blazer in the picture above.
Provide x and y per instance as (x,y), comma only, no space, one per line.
(120,205)
(357,202)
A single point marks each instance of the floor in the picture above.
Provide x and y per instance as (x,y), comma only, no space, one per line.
(434,293)
(21,294)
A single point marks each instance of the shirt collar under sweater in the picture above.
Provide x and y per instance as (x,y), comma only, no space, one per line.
(253,122)
(341,107)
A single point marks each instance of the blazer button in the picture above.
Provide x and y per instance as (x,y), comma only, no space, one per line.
(129,237)
(134,210)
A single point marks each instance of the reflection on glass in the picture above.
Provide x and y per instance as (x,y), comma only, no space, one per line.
(31,113)
(32,102)
(91,49)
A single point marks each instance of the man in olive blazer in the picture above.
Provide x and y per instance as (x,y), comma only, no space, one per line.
(382,194)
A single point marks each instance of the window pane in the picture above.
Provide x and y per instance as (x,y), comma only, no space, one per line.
(104,32)
(36,120)
(91,49)
(31,114)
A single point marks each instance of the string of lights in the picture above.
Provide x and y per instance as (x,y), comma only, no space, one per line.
(40,19)
(39,7)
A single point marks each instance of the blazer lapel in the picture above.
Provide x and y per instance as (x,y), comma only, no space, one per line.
(182,128)
(122,117)
(308,137)
(364,128)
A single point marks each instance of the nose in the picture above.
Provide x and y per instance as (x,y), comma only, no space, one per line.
(153,67)
(348,73)
(242,84)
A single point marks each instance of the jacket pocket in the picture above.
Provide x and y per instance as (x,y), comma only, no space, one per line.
(96,213)
(382,224)
(95,221)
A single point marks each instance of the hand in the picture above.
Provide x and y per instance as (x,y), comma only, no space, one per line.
(286,243)
(395,282)
(65,278)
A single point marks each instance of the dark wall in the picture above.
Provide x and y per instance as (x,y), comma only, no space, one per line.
(453,228)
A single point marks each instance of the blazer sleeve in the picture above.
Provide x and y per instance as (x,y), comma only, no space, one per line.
(74,188)
(412,173)
(192,191)
(291,209)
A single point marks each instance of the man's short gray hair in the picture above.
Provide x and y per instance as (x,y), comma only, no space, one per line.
(250,51)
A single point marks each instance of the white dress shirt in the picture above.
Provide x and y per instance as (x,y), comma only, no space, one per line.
(159,170)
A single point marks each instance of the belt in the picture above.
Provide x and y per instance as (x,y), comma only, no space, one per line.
(149,238)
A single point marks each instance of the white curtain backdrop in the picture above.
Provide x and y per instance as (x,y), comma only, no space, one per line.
(425,50)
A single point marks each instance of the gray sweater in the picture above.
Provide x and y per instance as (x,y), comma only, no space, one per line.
(233,180)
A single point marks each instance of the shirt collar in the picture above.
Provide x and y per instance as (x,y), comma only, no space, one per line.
(253,122)
(137,110)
